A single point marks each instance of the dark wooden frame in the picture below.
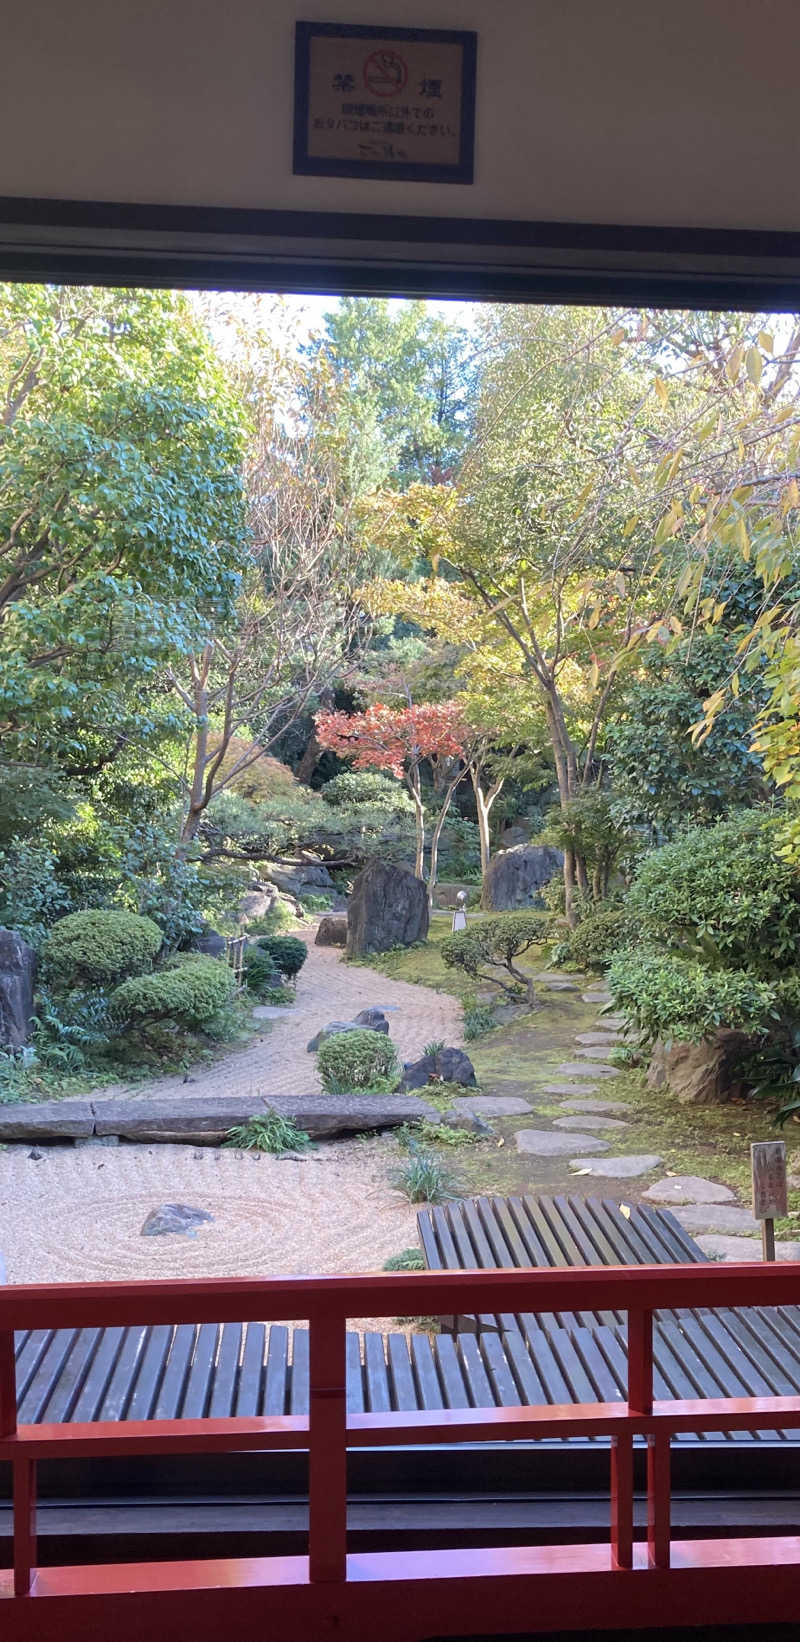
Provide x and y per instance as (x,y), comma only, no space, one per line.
(361,253)
(306,165)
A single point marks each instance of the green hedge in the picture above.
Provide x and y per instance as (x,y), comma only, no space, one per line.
(350,1061)
(286,951)
(190,992)
(101,946)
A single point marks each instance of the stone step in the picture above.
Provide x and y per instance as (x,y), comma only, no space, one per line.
(590,1039)
(592,1103)
(717,1217)
(688,1188)
(617,1168)
(567,1089)
(581,1069)
(595,1052)
(204,1120)
(590,1120)
(548,1143)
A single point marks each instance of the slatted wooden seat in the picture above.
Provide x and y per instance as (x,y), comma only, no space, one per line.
(487,1232)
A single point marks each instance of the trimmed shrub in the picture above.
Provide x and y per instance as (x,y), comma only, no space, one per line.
(261,972)
(601,932)
(287,952)
(669,997)
(100,946)
(189,992)
(350,1061)
(492,945)
(406,1260)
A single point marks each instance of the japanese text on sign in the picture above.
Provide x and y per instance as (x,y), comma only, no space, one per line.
(768,1158)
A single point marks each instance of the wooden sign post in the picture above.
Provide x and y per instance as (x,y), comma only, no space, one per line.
(768,1164)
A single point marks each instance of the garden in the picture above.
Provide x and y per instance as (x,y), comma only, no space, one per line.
(399,770)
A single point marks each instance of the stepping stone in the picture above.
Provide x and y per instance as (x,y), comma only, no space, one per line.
(607,1038)
(717,1217)
(596,997)
(546,1143)
(569,1089)
(596,1103)
(588,1120)
(616,1023)
(688,1188)
(617,1168)
(595,1052)
(491,1105)
(555,983)
(743,1248)
(579,1069)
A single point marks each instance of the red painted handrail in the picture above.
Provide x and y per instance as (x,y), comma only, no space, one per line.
(327,1433)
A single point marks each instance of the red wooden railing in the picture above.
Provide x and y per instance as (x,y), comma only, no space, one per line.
(401,1596)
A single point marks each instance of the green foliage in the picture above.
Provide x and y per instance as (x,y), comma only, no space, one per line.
(601,932)
(261,973)
(320,901)
(406,1260)
(353,1061)
(271,1133)
(31,897)
(275,922)
(589,827)
(99,947)
(493,944)
(433,1047)
(722,896)
(190,992)
(368,787)
(478,1020)
(424,1179)
(428,1133)
(661,776)
(287,952)
(670,997)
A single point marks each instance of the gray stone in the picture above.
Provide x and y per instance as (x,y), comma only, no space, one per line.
(205,1120)
(586,1120)
(719,1247)
(688,1188)
(388,908)
(209,942)
(595,1103)
(471,1122)
(548,1143)
(47,1120)
(295,876)
(591,1039)
(369,1020)
(616,1023)
(618,1168)
(580,1069)
(566,1089)
(554,983)
(490,1106)
(174,1219)
(699,1074)
(594,1052)
(98,1140)
(36,1156)
(596,997)
(17,971)
(258,902)
(515,876)
(331,932)
(717,1217)
(446,1066)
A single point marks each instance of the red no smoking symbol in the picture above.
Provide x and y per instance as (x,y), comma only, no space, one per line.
(385,73)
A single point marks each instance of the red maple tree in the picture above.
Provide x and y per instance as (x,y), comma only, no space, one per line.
(401,739)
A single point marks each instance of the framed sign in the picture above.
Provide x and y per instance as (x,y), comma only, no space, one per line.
(768,1161)
(383,102)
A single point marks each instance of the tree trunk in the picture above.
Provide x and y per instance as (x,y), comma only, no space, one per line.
(483,805)
(437,833)
(419,817)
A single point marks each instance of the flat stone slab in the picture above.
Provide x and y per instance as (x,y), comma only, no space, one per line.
(555,983)
(589,1120)
(688,1188)
(596,997)
(717,1217)
(617,1023)
(618,1168)
(491,1105)
(743,1248)
(607,1039)
(47,1120)
(547,1143)
(565,1089)
(595,1052)
(592,1103)
(580,1069)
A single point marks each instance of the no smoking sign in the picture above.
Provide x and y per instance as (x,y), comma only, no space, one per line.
(385,73)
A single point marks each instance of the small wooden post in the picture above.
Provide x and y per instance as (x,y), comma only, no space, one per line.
(770,1203)
(327,1449)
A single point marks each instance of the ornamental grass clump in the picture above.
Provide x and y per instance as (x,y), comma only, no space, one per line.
(358,1062)
(271,1133)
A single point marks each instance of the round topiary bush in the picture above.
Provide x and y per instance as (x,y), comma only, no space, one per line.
(599,935)
(288,954)
(100,946)
(189,993)
(350,1061)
